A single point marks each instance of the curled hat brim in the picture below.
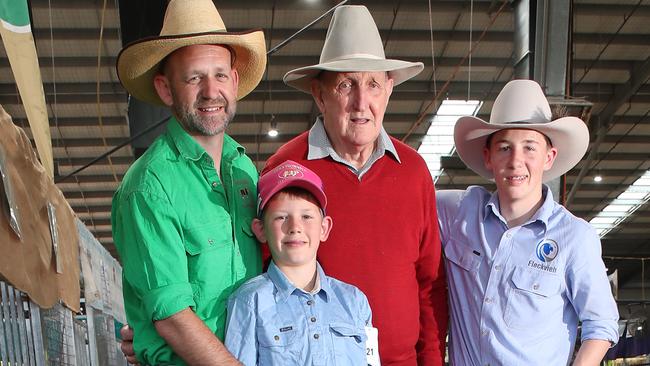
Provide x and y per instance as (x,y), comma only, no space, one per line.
(398,70)
(569,135)
(138,62)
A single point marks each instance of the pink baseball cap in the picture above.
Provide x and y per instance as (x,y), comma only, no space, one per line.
(289,174)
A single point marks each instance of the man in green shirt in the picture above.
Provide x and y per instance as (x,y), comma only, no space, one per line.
(181,217)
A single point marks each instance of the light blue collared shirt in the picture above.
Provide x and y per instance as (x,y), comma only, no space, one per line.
(320,147)
(516,294)
(271,322)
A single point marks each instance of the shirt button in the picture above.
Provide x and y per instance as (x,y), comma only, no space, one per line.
(535,286)
(508,235)
(316,336)
(313,319)
(214,184)
(309,302)
(488,300)
(497,267)
(277,338)
(484,332)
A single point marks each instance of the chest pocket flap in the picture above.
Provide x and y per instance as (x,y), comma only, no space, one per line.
(461,254)
(208,236)
(535,281)
(348,330)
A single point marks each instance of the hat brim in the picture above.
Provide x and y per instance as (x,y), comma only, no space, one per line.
(137,63)
(398,70)
(569,135)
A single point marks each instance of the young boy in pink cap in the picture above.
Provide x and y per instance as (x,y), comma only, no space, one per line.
(294,314)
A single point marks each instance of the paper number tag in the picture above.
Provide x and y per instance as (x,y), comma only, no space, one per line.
(372,347)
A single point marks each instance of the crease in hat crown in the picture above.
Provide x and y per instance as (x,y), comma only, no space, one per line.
(186,23)
(522,104)
(352,44)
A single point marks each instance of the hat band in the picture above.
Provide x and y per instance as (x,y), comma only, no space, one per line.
(353,56)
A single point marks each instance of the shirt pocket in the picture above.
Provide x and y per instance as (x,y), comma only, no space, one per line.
(534,299)
(209,248)
(349,343)
(277,347)
(462,255)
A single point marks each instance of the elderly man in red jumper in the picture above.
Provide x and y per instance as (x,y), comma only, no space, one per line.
(381,192)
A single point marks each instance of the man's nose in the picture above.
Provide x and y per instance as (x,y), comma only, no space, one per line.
(361,96)
(210,88)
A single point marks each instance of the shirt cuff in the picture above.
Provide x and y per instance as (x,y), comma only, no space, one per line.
(606,330)
(163,302)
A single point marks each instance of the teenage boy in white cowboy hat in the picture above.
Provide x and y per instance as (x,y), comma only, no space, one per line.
(522,270)
(181,217)
(380,190)
(294,314)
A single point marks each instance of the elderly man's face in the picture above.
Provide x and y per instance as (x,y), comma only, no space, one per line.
(200,87)
(353,106)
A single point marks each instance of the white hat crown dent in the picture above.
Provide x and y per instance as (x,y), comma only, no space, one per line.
(338,43)
(519,104)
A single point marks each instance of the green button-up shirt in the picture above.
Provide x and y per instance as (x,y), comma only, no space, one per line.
(183,235)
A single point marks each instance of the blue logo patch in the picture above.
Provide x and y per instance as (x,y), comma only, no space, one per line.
(546,250)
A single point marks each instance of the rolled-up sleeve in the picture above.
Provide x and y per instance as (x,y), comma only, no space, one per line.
(591,294)
(153,254)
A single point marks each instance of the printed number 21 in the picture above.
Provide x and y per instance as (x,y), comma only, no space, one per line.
(370,351)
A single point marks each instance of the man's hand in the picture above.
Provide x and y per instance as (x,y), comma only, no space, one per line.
(127,344)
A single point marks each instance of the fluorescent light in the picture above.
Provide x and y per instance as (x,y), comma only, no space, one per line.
(598,178)
(439,140)
(636,195)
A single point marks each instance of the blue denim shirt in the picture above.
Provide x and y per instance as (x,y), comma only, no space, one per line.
(516,294)
(271,322)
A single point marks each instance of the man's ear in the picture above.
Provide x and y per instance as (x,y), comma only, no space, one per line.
(316,92)
(551,154)
(258,229)
(235,78)
(390,82)
(486,158)
(163,88)
(326,227)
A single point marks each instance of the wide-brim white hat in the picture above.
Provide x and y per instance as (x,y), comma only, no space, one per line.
(352,44)
(186,23)
(522,104)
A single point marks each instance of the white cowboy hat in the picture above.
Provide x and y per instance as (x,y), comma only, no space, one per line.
(190,22)
(522,104)
(352,44)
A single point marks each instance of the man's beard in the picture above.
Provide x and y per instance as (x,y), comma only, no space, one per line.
(205,126)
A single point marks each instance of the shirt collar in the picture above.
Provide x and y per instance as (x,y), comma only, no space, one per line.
(321,147)
(285,288)
(542,214)
(189,149)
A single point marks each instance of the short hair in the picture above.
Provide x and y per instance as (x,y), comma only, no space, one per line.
(296,192)
(488,141)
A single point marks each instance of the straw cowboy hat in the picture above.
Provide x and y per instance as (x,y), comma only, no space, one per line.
(522,104)
(190,22)
(352,44)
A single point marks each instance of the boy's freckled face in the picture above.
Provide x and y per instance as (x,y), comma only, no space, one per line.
(293,227)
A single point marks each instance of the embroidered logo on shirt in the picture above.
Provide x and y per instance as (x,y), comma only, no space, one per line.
(285,329)
(244,193)
(546,250)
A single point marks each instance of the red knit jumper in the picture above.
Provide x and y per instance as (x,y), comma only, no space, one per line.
(385,241)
